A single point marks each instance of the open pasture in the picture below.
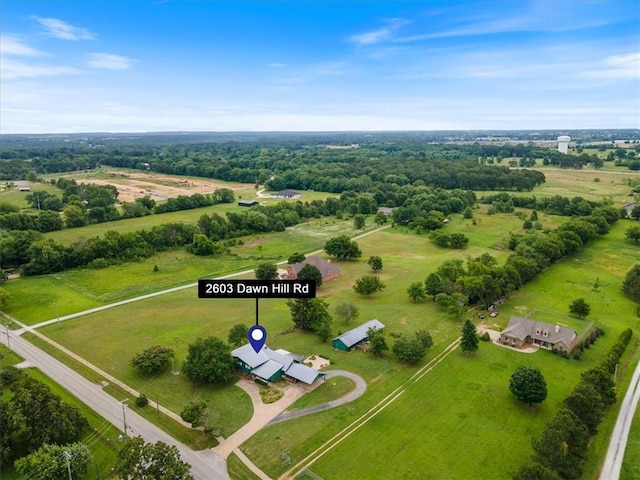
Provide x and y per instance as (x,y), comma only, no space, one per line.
(36,299)
(572,183)
(109,339)
(437,425)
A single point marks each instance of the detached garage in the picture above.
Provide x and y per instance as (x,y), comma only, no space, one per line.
(350,339)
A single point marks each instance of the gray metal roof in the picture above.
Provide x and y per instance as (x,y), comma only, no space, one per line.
(267,369)
(359,333)
(284,360)
(521,328)
(324,266)
(303,373)
(248,355)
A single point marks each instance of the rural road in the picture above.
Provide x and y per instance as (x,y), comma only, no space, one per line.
(205,465)
(618,442)
(361,386)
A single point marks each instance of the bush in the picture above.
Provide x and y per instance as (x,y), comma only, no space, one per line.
(485,337)
(142,401)
(9,374)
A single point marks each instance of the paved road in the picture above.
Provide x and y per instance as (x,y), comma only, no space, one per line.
(205,465)
(361,386)
(618,442)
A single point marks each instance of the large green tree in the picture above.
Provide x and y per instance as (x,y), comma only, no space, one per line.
(580,308)
(238,335)
(311,314)
(310,272)
(209,361)
(528,385)
(562,445)
(55,462)
(469,341)
(633,234)
(535,471)
(416,292)
(631,284)
(586,403)
(347,311)
(409,350)
(602,381)
(377,343)
(153,359)
(266,271)
(368,285)
(138,460)
(342,248)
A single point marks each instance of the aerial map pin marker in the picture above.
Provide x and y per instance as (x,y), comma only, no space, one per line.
(257,337)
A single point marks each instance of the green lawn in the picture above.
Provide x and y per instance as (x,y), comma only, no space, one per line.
(332,389)
(631,465)
(237,470)
(35,299)
(459,412)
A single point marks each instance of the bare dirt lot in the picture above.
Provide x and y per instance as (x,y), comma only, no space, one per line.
(132,185)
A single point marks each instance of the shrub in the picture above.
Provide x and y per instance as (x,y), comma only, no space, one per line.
(485,337)
(142,401)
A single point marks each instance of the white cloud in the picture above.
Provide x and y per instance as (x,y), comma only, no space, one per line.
(624,66)
(383,33)
(11,69)
(58,29)
(109,61)
(13,45)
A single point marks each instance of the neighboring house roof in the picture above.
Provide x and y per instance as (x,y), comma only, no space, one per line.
(325,267)
(358,334)
(303,373)
(629,206)
(521,328)
(385,210)
(247,202)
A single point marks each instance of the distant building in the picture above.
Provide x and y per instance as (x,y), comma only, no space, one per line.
(386,210)
(563,143)
(328,270)
(350,339)
(287,194)
(247,203)
(522,331)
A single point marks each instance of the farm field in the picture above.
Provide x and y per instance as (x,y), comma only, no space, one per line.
(176,319)
(474,405)
(36,299)
(572,183)
(464,403)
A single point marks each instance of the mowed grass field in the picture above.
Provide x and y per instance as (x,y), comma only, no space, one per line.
(36,299)
(109,339)
(461,421)
(572,183)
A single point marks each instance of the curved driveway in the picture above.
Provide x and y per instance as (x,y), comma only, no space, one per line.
(361,386)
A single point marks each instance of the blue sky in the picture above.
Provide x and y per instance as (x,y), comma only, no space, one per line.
(136,66)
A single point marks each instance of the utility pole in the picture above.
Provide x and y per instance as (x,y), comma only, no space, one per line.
(67,455)
(124,415)
(57,317)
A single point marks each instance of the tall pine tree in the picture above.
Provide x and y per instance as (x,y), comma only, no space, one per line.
(469,341)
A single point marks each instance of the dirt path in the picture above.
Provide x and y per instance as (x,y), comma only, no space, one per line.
(364,418)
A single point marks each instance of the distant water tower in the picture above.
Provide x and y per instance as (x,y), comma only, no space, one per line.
(563,143)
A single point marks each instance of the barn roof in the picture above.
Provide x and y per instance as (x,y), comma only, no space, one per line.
(358,334)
